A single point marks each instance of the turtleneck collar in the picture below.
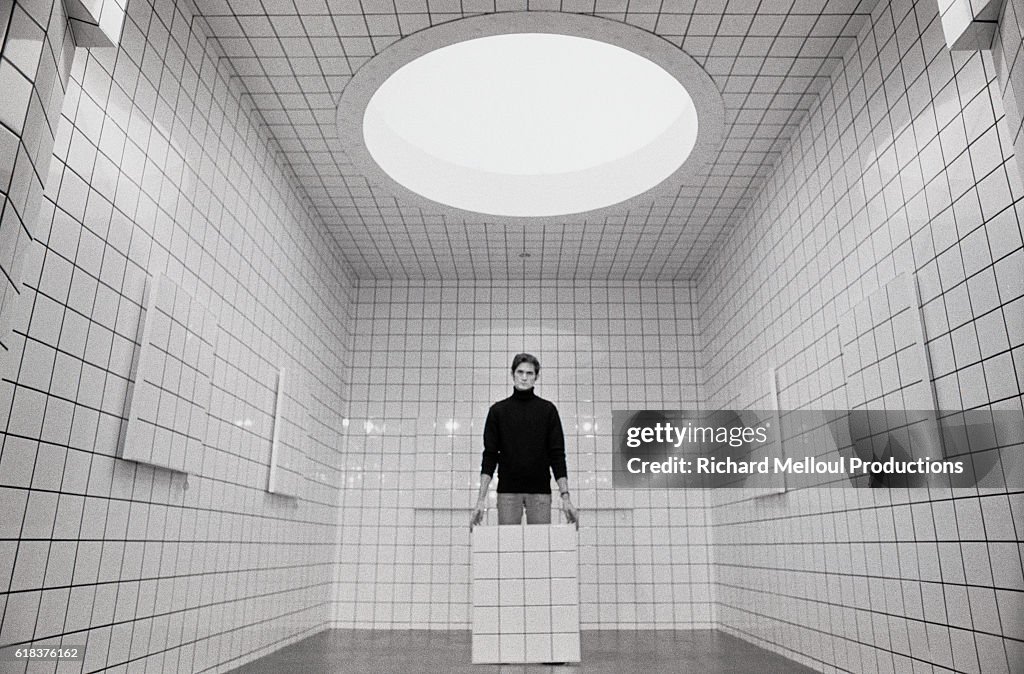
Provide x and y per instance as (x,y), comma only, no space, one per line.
(523,395)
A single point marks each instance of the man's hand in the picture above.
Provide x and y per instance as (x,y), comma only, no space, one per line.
(478,514)
(572,515)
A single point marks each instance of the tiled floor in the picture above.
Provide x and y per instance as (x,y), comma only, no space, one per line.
(435,651)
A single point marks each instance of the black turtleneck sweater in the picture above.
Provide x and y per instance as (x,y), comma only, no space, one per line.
(524,435)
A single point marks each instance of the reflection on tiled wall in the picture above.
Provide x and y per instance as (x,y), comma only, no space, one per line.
(159,170)
(445,453)
(428,361)
(902,169)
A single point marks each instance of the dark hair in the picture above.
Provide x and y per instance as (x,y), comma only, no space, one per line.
(521,358)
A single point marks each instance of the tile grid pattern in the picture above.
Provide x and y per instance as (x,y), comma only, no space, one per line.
(443,352)
(526,605)
(1008,56)
(905,167)
(96,24)
(769,58)
(884,358)
(35,59)
(159,167)
(127,559)
(170,398)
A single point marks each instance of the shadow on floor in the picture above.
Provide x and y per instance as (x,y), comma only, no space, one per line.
(604,652)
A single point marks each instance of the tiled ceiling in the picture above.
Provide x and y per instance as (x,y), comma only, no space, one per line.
(769,59)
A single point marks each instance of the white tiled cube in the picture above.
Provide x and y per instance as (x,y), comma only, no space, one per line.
(525,594)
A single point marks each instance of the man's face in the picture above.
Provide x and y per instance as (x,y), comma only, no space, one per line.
(524,377)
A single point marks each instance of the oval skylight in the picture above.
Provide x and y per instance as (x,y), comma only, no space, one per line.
(530,125)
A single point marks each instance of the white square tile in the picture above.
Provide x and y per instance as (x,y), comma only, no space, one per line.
(485,592)
(537,564)
(485,565)
(535,537)
(565,618)
(485,648)
(510,538)
(538,618)
(565,647)
(537,591)
(538,648)
(564,591)
(510,591)
(511,619)
(485,620)
(16,104)
(512,647)
(510,564)
(564,564)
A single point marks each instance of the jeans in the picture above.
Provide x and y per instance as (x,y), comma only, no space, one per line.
(510,508)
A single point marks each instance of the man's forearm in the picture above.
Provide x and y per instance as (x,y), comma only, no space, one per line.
(571,514)
(485,482)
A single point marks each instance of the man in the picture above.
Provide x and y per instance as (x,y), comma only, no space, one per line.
(523,434)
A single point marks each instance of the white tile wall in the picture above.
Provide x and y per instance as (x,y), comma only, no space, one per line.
(96,23)
(443,352)
(1006,56)
(904,167)
(36,49)
(159,169)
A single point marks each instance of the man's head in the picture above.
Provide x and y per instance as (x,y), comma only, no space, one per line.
(525,369)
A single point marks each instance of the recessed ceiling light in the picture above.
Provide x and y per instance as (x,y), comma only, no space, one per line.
(533,115)
(530,124)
